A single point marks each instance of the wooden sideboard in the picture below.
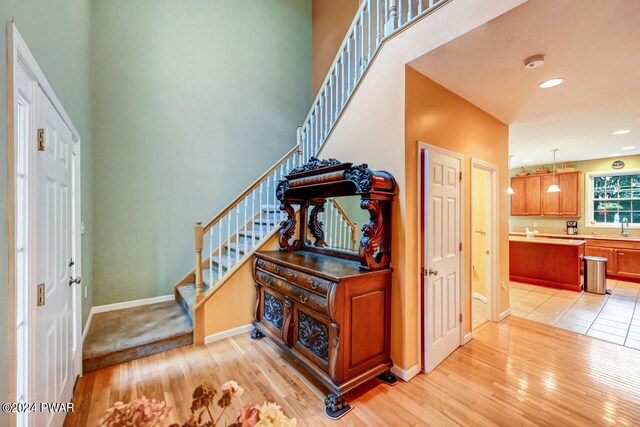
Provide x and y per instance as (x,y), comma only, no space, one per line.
(329,309)
(531,197)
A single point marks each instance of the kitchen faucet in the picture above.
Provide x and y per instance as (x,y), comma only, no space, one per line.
(624,233)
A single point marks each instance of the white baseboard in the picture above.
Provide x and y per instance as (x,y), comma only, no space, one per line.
(504,314)
(480,297)
(406,374)
(134,303)
(467,337)
(227,334)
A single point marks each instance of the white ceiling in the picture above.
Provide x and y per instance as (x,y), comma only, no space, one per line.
(594,45)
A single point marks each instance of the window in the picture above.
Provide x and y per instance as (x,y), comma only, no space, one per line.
(613,198)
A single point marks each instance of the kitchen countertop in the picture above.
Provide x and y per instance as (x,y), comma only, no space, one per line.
(577,236)
(548,241)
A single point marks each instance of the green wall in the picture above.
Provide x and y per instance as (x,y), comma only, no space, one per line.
(193,101)
(58,34)
(519,223)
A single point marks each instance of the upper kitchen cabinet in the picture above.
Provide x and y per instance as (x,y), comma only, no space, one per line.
(531,197)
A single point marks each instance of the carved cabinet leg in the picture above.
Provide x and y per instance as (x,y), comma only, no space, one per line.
(336,406)
(256,334)
(388,377)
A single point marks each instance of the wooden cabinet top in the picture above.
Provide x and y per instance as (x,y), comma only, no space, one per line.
(321,265)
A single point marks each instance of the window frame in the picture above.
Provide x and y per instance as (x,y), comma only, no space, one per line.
(589,211)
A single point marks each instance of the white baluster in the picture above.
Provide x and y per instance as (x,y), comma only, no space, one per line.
(420,6)
(369,13)
(348,67)
(362,50)
(246,204)
(210,255)
(253,218)
(268,198)
(259,230)
(356,62)
(220,249)
(378,18)
(343,78)
(400,13)
(330,106)
(228,239)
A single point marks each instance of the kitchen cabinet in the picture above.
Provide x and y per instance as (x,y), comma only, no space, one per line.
(627,263)
(531,197)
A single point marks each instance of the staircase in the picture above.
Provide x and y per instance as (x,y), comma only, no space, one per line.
(228,241)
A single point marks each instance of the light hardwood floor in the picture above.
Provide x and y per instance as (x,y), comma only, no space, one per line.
(515,373)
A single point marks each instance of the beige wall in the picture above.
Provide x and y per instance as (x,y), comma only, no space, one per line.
(330,22)
(547,224)
(439,117)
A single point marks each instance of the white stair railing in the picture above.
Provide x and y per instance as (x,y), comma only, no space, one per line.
(375,21)
(339,231)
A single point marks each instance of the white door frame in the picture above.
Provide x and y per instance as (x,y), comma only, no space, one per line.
(20,61)
(493,233)
(421,254)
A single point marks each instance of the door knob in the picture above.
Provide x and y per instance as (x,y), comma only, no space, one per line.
(77,280)
(430,272)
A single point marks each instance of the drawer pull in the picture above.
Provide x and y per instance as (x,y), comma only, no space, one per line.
(277,269)
(621,253)
(303,299)
(314,284)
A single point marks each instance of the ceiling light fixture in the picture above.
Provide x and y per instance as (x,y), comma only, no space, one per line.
(551,83)
(510,190)
(621,132)
(614,154)
(527,161)
(631,147)
(553,188)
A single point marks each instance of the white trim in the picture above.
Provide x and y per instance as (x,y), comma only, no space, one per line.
(480,297)
(228,333)
(493,288)
(133,303)
(588,198)
(421,338)
(406,374)
(467,337)
(504,314)
(19,56)
(87,325)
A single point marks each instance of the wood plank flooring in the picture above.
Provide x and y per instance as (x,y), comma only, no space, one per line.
(516,373)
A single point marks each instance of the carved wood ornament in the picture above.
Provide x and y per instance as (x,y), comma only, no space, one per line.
(310,184)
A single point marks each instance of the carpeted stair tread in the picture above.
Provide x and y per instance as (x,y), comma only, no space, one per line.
(131,333)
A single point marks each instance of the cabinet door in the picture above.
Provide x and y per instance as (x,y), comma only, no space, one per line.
(570,199)
(604,253)
(550,201)
(272,310)
(628,262)
(518,200)
(533,200)
(313,336)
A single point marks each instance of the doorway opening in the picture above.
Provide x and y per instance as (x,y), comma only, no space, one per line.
(441,234)
(484,242)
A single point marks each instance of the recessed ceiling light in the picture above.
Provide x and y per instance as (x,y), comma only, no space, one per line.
(534,61)
(551,83)
(631,147)
(614,155)
(621,132)
(527,160)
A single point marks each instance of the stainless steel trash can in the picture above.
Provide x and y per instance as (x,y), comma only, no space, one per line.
(595,274)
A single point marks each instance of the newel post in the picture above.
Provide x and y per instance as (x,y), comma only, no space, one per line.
(300,146)
(199,243)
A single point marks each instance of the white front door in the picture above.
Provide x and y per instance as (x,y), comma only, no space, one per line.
(54,326)
(443,275)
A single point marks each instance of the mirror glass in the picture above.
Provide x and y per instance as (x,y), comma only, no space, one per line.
(342,221)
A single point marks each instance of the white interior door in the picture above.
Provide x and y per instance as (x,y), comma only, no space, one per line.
(442,263)
(54,325)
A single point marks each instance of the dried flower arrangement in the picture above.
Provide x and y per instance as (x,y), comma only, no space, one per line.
(150,413)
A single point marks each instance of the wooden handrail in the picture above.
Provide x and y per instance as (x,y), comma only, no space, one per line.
(250,188)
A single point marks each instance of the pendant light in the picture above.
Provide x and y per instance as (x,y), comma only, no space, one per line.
(553,188)
(510,190)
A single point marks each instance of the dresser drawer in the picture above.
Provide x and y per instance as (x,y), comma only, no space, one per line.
(307,281)
(300,295)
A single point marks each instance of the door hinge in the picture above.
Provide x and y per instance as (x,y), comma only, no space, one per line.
(460,175)
(40,294)
(460,246)
(41,144)
(460,317)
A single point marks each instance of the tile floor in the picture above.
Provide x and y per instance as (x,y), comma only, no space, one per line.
(614,318)
(479,313)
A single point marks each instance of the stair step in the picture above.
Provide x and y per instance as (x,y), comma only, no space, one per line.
(132,333)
